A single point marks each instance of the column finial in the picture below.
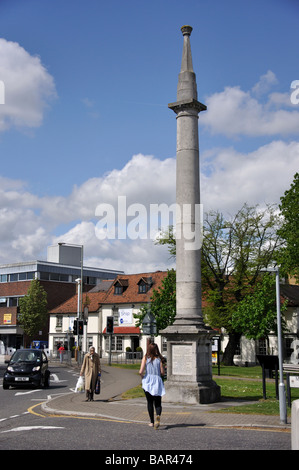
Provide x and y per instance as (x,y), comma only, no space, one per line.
(186,30)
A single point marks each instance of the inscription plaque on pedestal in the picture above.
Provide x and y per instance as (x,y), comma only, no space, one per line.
(181,360)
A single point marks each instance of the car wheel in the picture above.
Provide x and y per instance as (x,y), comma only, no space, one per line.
(5,386)
(46,380)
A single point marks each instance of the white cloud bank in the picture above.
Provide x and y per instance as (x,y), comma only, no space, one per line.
(29,224)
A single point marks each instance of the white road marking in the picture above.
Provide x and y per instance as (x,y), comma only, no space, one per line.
(27,393)
(31,428)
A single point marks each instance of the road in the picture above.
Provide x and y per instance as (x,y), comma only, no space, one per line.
(24,426)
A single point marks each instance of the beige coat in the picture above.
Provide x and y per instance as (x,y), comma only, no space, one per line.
(90,369)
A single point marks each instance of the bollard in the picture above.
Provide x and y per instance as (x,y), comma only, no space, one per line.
(295,425)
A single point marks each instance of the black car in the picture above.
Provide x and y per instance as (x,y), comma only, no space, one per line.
(27,367)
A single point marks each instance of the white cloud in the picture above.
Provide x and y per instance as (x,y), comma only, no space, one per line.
(28,87)
(265,83)
(231,178)
(143,180)
(24,217)
(28,224)
(235,112)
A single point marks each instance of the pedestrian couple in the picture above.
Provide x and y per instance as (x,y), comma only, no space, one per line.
(151,371)
(152,383)
(91,368)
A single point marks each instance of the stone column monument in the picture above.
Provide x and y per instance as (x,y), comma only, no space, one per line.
(189,356)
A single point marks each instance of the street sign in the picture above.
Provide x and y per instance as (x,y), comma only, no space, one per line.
(294,381)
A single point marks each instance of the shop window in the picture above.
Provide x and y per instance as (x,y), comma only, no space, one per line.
(116,343)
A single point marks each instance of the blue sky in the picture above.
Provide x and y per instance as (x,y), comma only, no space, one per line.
(87,84)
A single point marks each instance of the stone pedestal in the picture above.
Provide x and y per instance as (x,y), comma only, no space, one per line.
(189,368)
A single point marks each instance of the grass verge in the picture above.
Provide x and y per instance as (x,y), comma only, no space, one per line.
(237,383)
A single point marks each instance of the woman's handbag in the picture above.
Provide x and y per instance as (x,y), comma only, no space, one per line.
(98,385)
(80,385)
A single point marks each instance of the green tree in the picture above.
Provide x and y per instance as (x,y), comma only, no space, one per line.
(256,315)
(289,255)
(163,303)
(233,252)
(33,309)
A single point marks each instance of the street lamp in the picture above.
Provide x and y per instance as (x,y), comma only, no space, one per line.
(281,389)
(79,282)
(80,306)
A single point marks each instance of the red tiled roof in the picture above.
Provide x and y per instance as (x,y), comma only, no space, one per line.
(130,294)
(125,330)
(71,305)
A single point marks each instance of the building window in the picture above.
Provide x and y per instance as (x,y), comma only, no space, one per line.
(91,281)
(120,286)
(58,341)
(3,302)
(17,277)
(13,302)
(115,316)
(118,290)
(142,288)
(59,322)
(262,347)
(116,343)
(44,276)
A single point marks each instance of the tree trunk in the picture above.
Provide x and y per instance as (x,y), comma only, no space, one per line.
(228,356)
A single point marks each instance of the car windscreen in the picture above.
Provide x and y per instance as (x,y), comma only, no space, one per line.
(25,356)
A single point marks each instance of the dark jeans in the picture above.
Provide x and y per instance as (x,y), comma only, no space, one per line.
(151,402)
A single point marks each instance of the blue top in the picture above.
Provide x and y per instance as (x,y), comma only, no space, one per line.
(152,381)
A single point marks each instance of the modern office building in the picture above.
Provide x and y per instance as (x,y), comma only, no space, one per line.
(57,276)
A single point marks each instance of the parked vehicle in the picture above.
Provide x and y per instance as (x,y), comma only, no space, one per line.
(27,367)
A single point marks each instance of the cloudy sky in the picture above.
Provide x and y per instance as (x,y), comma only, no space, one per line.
(84,118)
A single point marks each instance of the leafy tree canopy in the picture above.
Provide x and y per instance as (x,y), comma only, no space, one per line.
(289,255)
(33,309)
(233,252)
(256,315)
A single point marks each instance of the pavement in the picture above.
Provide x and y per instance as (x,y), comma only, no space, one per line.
(111,406)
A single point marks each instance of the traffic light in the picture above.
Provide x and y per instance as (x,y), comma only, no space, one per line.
(75,327)
(109,326)
(80,327)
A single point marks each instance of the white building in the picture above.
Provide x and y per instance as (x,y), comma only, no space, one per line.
(121,299)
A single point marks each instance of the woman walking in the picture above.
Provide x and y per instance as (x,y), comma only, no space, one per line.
(91,367)
(152,383)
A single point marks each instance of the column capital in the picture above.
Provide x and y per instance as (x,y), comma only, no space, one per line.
(185,105)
